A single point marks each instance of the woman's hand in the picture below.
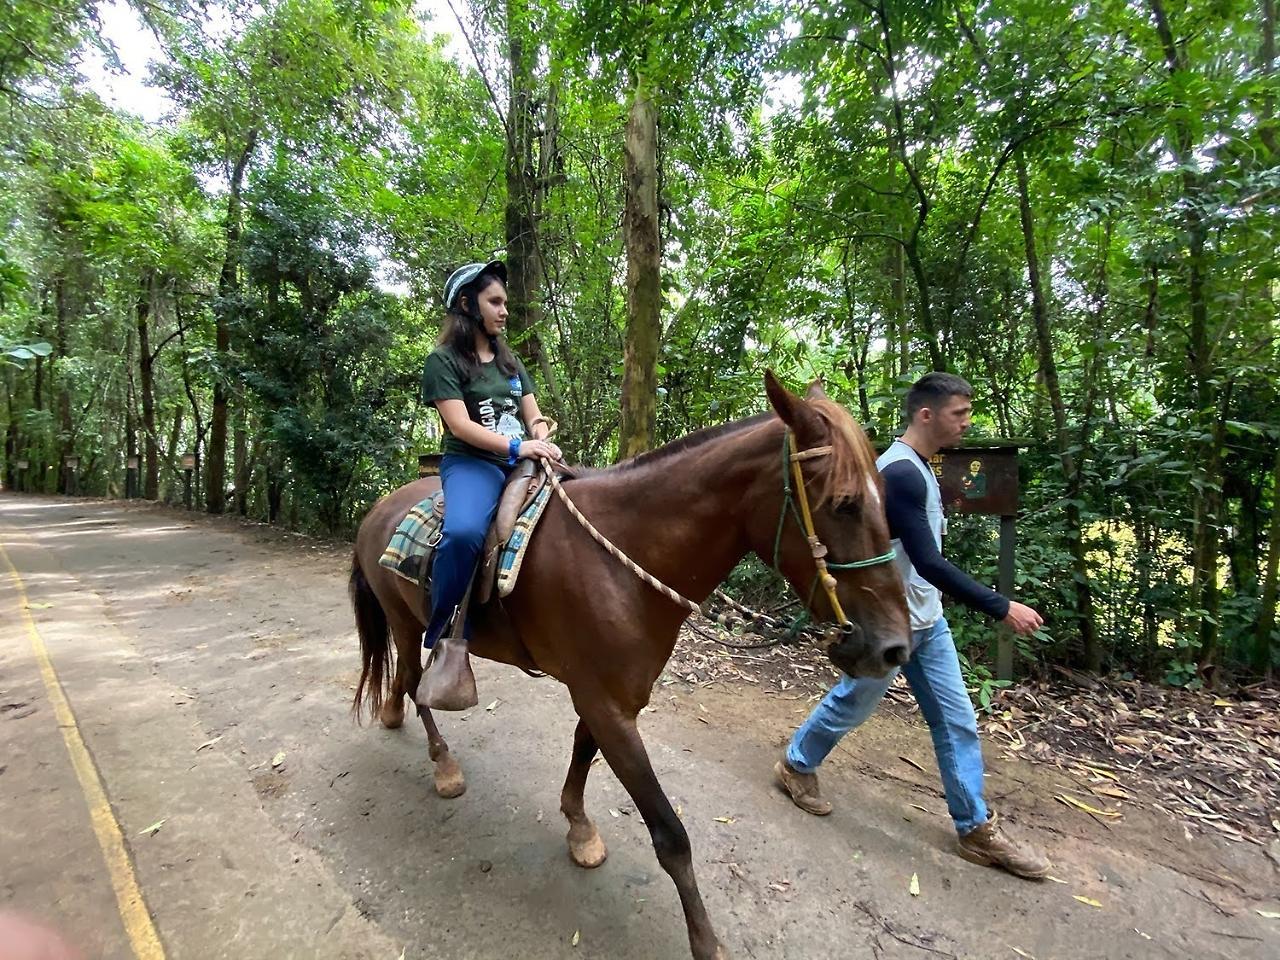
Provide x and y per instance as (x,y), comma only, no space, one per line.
(539,449)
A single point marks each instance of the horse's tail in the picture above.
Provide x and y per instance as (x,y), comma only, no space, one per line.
(375,654)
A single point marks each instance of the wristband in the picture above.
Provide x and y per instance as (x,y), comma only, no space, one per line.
(513,451)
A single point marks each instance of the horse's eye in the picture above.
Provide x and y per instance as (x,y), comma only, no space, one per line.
(849,508)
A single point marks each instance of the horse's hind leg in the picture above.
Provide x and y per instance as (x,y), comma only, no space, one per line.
(585,846)
(392,714)
(407,630)
(620,742)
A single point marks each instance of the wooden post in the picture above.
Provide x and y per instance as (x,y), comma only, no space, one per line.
(72,465)
(1004,647)
(24,484)
(428,465)
(131,478)
(982,477)
(188,467)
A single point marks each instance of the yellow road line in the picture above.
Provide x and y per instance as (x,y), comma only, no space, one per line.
(133,908)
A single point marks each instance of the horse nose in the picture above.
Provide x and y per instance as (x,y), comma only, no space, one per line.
(896,654)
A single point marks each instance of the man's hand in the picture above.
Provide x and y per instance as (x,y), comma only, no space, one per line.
(1021,619)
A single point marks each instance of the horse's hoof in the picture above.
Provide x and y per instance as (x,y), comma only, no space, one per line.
(392,715)
(450,782)
(586,849)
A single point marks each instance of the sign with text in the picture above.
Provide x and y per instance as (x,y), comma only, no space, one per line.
(978,479)
(188,461)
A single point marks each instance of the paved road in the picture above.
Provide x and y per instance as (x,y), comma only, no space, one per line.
(194,652)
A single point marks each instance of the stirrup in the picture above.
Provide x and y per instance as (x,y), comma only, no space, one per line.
(449,683)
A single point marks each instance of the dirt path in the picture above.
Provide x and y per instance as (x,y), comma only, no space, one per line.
(194,652)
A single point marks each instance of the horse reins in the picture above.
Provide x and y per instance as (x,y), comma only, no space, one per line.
(792,457)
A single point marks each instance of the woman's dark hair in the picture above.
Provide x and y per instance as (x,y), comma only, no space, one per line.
(461,323)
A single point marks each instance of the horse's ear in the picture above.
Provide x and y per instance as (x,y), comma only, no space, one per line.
(795,413)
(815,391)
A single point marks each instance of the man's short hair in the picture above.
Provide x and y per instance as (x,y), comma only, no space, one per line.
(935,389)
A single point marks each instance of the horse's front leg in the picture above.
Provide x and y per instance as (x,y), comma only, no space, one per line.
(585,846)
(449,780)
(620,742)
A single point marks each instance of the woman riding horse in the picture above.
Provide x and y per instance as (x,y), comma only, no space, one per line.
(491,419)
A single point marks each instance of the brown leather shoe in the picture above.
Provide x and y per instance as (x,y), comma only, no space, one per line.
(992,847)
(802,788)
(449,683)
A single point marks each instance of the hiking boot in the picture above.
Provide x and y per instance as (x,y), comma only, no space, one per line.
(992,847)
(802,788)
(449,683)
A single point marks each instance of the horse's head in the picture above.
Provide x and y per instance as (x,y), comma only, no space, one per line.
(845,498)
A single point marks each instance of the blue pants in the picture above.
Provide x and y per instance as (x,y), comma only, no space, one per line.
(934,675)
(472,488)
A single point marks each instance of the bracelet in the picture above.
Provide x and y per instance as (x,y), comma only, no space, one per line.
(513,451)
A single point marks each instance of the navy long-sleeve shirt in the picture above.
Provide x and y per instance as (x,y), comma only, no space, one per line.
(904,504)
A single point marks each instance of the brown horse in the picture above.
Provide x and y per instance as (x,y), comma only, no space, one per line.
(687,513)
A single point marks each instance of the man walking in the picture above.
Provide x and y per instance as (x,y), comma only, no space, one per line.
(939,409)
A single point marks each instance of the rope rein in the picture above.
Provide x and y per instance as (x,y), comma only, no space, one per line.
(604,541)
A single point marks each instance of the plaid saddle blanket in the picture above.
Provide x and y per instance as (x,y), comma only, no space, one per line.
(412,547)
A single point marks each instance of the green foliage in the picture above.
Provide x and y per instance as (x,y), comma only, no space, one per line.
(839,200)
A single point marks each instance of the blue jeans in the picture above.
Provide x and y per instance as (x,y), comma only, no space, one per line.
(472,488)
(934,675)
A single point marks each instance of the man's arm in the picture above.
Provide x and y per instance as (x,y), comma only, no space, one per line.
(905,498)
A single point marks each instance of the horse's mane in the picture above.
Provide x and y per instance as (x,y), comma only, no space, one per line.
(845,473)
(689,442)
(852,464)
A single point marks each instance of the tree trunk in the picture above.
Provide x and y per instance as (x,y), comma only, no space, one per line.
(130,413)
(1049,373)
(527,182)
(66,426)
(244,469)
(228,290)
(644,293)
(11,439)
(1266,66)
(175,438)
(151,484)
(1267,613)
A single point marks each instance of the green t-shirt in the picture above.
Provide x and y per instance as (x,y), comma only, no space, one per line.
(491,397)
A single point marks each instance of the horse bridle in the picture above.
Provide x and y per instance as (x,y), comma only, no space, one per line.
(791,460)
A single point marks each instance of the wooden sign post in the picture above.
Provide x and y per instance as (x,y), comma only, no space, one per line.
(983,478)
(188,467)
(72,466)
(23,484)
(428,465)
(131,478)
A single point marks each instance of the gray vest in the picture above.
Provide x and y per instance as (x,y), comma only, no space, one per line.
(924,600)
